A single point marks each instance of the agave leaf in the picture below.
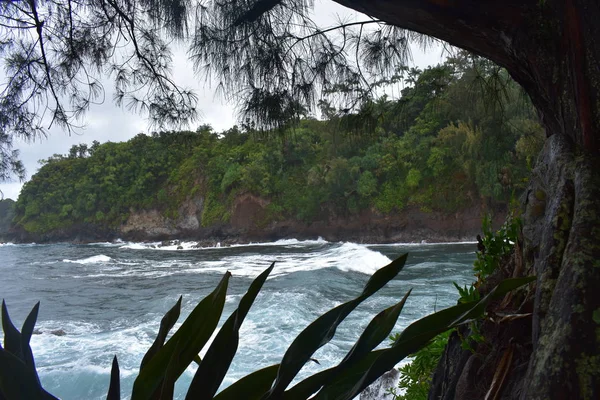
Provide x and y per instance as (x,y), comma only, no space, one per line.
(166,324)
(307,387)
(12,336)
(337,387)
(184,345)
(216,362)
(250,387)
(167,387)
(26,332)
(378,330)
(114,389)
(323,328)
(17,380)
(355,379)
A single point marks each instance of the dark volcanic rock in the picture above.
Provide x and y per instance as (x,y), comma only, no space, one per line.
(552,350)
(250,222)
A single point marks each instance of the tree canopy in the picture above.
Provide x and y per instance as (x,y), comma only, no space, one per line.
(441,147)
(269,56)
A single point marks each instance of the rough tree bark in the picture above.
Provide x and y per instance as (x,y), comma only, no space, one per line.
(551,48)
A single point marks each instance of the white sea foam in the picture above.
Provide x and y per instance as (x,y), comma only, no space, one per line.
(345,257)
(180,246)
(191,245)
(358,258)
(283,242)
(99,259)
(421,244)
(136,246)
(104,244)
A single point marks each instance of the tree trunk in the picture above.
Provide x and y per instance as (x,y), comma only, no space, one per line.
(555,351)
(552,48)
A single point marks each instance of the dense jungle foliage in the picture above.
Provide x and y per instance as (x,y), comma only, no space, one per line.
(462,134)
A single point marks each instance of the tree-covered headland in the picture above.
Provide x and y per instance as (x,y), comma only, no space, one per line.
(447,145)
(272,57)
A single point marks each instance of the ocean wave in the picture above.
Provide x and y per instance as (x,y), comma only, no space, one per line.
(99,259)
(11,244)
(422,243)
(283,242)
(192,245)
(347,257)
(352,257)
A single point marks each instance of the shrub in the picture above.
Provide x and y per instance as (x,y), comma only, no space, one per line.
(415,377)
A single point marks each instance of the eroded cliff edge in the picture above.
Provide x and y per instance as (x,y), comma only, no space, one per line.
(250,221)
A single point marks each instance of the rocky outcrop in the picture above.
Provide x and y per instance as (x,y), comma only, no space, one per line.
(154,225)
(380,389)
(552,351)
(250,221)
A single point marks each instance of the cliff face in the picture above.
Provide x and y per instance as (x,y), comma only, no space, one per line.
(152,224)
(548,346)
(250,221)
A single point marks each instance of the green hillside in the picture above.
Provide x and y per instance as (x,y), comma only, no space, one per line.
(462,135)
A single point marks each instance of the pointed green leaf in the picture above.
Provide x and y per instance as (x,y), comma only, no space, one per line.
(183,346)
(250,387)
(26,332)
(383,275)
(167,386)
(17,380)
(166,324)
(114,389)
(323,328)
(354,380)
(215,364)
(307,387)
(12,336)
(337,388)
(378,330)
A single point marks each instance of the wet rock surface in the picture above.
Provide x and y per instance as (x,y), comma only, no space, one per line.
(551,350)
(380,389)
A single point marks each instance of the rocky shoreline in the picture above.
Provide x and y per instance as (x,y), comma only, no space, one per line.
(248,223)
(391,231)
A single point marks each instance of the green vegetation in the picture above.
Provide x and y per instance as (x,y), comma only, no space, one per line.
(415,377)
(444,146)
(495,246)
(7,213)
(166,359)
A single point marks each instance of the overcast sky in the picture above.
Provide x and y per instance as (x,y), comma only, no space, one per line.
(106,122)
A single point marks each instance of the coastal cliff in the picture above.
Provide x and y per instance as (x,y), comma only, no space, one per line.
(250,221)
